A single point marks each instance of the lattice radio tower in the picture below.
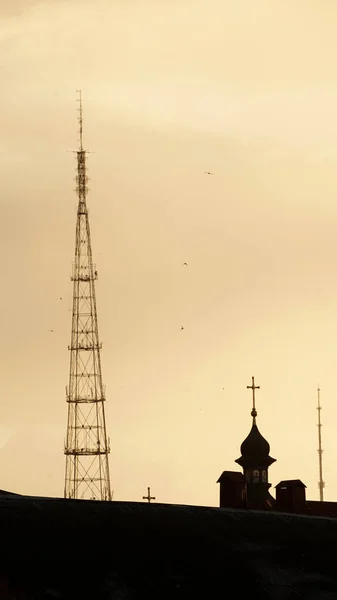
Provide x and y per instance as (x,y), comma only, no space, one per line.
(87,446)
(321,483)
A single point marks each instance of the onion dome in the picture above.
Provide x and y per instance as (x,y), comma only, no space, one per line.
(255,448)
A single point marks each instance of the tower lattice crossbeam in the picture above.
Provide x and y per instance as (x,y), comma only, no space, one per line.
(87,446)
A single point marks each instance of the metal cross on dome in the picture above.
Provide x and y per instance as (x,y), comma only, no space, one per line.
(253,387)
(149,497)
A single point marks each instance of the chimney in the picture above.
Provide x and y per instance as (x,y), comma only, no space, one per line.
(290,496)
(232,490)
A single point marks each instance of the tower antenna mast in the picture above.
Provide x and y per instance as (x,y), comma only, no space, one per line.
(80,121)
(87,446)
(321,483)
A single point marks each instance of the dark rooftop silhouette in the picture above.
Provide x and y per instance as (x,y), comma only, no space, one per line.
(290,483)
(155,551)
(255,544)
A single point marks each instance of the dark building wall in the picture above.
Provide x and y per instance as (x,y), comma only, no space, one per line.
(232,490)
(324,509)
(290,496)
(232,494)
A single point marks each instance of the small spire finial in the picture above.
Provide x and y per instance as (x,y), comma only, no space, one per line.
(253,387)
(80,119)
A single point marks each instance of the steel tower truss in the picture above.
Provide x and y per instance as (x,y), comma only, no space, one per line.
(87,446)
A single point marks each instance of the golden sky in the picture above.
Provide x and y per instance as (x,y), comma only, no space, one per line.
(171,89)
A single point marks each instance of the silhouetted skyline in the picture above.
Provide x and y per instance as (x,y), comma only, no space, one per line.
(172,91)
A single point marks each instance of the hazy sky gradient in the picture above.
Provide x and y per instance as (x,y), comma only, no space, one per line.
(244,89)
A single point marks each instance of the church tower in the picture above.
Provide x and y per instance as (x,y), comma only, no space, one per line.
(255,462)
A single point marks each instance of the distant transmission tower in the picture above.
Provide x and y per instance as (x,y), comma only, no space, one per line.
(87,446)
(321,483)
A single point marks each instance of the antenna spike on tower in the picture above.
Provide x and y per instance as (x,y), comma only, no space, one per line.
(87,445)
(80,119)
(321,483)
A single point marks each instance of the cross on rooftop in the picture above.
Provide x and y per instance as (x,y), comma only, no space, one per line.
(253,387)
(149,497)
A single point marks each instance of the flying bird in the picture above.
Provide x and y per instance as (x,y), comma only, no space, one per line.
(208,173)
(185,264)
(181,328)
(51,330)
